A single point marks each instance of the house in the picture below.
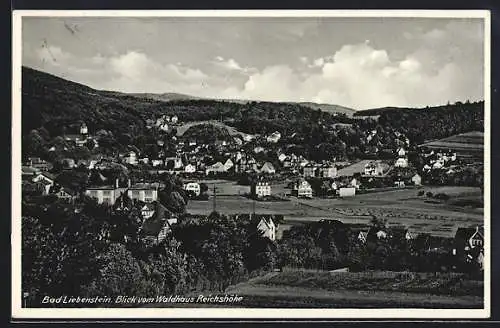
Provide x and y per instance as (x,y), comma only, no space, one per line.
(274,137)
(193,187)
(267,227)
(258,149)
(401,152)
(417,180)
(347,191)
(373,169)
(147,210)
(381,234)
(44,176)
(144,160)
(228,164)
(302,189)
(216,168)
(401,162)
(399,183)
(282,157)
(155,229)
(144,192)
(157,162)
(164,127)
(410,235)
(327,171)
(66,194)
(355,183)
(438,165)
(267,168)
(260,189)
(105,194)
(362,236)
(131,158)
(467,239)
(309,171)
(174,119)
(190,168)
(83,129)
(245,164)
(44,186)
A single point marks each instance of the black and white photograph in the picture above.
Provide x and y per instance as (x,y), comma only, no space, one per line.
(206,164)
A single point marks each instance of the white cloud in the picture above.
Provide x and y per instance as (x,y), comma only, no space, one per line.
(358,76)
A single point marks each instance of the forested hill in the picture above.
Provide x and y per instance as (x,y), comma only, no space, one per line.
(53,103)
(421,124)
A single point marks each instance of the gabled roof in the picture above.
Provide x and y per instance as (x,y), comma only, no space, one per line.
(467,233)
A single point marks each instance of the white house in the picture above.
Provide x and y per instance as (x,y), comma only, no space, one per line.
(216,168)
(438,165)
(157,162)
(193,187)
(416,179)
(147,210)
(401,152)
(268,228)
(401,162)
(261,189)
(131,158)
(143,192)
(303,189)
(267,168)
(282,157)
(347,191)
(274,137)
(327,171)
(174,119)
(190,168)
(228,164)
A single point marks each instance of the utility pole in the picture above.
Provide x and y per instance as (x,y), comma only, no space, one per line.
(253,208)
(215,195)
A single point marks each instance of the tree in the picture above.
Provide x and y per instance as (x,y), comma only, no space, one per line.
(119,274)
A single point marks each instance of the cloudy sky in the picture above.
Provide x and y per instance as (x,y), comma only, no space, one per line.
(355,62)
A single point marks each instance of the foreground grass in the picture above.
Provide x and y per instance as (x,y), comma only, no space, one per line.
(344,289)
(319,289)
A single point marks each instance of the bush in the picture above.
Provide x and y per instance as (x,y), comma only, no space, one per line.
(429,194)
(421,193)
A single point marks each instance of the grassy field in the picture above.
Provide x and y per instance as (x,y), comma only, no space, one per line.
(471,143)
(403,206)
(341,290)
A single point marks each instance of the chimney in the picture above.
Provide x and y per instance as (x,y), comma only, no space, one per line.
(116,183)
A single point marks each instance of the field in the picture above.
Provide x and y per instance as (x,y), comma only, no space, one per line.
(298,288)
(402,206)
(465,144)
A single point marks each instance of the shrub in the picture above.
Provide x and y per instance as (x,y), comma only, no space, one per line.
(429,194)
(421,193)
